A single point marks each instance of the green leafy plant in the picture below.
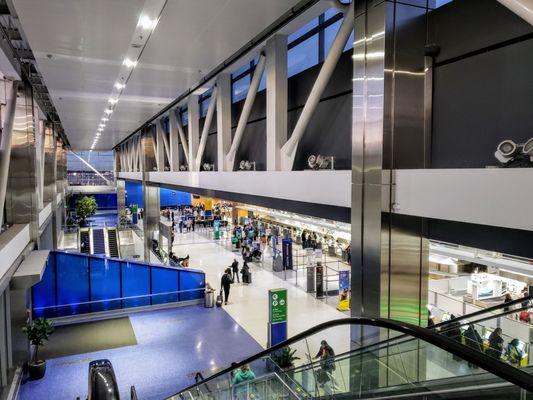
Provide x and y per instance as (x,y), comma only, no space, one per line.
(85,207)
(38,331)
(285,358)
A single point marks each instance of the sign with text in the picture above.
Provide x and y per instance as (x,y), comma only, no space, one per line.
(277,305)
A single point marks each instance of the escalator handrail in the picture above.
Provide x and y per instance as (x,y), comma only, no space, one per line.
(489,364)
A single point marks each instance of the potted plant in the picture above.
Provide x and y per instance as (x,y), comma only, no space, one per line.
(38,331)
(85,207)
(285,358)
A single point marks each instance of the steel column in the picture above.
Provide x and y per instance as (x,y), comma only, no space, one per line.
(223,119)
(174,158)
(5,144)
(276,104)
(194,130)
(162,138)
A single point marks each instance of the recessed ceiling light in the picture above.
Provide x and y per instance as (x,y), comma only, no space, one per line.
(129,63)
(119,85)
(105,119)
(101,126)
(112,101)
(108,111)
(147,23)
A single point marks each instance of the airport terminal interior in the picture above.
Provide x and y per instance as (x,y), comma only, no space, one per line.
(266,199)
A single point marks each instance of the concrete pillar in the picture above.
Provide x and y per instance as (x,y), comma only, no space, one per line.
(223,119)
(193,130)
(276,105)
(174,141)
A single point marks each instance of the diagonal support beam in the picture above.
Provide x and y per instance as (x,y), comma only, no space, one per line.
(245,114)
(288,151)
(183,138)
(207,125)
(162,139)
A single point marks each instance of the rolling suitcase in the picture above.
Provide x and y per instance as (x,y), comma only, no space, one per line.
(219,300)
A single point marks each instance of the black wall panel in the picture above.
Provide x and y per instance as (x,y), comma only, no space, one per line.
(510,241)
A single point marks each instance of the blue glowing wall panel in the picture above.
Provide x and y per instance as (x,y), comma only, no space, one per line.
(164,281)
(135,283)
(170,198)
(72,284)
(75,283)
(44,293)
(190,282)
(105,284)
(134,194)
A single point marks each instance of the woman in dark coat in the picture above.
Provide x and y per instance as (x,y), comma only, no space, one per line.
(495,344)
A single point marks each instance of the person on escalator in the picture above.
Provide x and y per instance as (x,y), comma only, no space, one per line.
(495,344)
(513,354)
(242,375)
(327,365)
(474,341)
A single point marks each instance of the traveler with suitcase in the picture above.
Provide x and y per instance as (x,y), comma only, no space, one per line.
(246,273)
(225,284)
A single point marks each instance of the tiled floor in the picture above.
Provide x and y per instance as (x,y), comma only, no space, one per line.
(172,346)
(249,303)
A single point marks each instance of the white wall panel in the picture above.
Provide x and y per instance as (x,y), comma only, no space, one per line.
(491,196)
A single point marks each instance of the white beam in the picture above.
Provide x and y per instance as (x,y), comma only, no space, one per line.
(91,167)
(223,118)
(276,104)
(245,114)
(522,8)
(207,125)
(174,159)
(288,151)
(183,138)
(163,138)
(194,130)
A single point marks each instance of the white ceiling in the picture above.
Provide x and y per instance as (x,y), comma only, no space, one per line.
(79,46)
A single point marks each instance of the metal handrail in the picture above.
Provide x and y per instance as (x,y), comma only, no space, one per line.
(489,364)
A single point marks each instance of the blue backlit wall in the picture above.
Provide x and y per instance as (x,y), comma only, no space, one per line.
(134,194)
(75,283)
(168,198)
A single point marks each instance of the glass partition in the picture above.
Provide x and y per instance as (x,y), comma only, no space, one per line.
(75,283)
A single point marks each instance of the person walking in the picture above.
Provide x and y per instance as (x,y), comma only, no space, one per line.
(235,270)
(245,271)
(225,284)
(495,344)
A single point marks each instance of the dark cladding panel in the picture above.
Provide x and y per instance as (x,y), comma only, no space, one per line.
(253,145)
(480,101)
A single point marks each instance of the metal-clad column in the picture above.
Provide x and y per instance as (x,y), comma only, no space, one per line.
(389,251)
(5,144)
(276,105)
(174,141)
(193,130)
(151,216)
(223,119)
(207,126)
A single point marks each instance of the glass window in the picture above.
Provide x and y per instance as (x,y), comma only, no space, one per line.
(440,3)
(204,106)
(240,88)
(184,116)
(303,30)
(329,36)
(303,56)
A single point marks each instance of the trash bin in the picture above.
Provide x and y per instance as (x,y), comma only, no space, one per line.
(209,299)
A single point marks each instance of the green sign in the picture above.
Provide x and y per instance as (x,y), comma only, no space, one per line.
(277,305)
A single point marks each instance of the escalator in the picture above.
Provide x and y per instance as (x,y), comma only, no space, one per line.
(98,241)
(410,363)
(112,242)
(85,241)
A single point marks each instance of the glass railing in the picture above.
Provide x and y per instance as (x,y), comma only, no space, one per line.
(414,362)
(75,283)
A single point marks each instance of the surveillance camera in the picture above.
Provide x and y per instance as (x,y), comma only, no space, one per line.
(527,149)
(505,151)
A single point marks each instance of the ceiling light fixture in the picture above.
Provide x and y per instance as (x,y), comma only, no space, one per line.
(147,23)
(112,101)
(119,86)
(108,111)
(101,126)
(105,119)
(129,63)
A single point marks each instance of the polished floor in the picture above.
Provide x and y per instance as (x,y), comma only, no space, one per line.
(172,345)
(248,304)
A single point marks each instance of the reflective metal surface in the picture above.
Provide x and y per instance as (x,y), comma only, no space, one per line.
(151,216)
(390,130)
